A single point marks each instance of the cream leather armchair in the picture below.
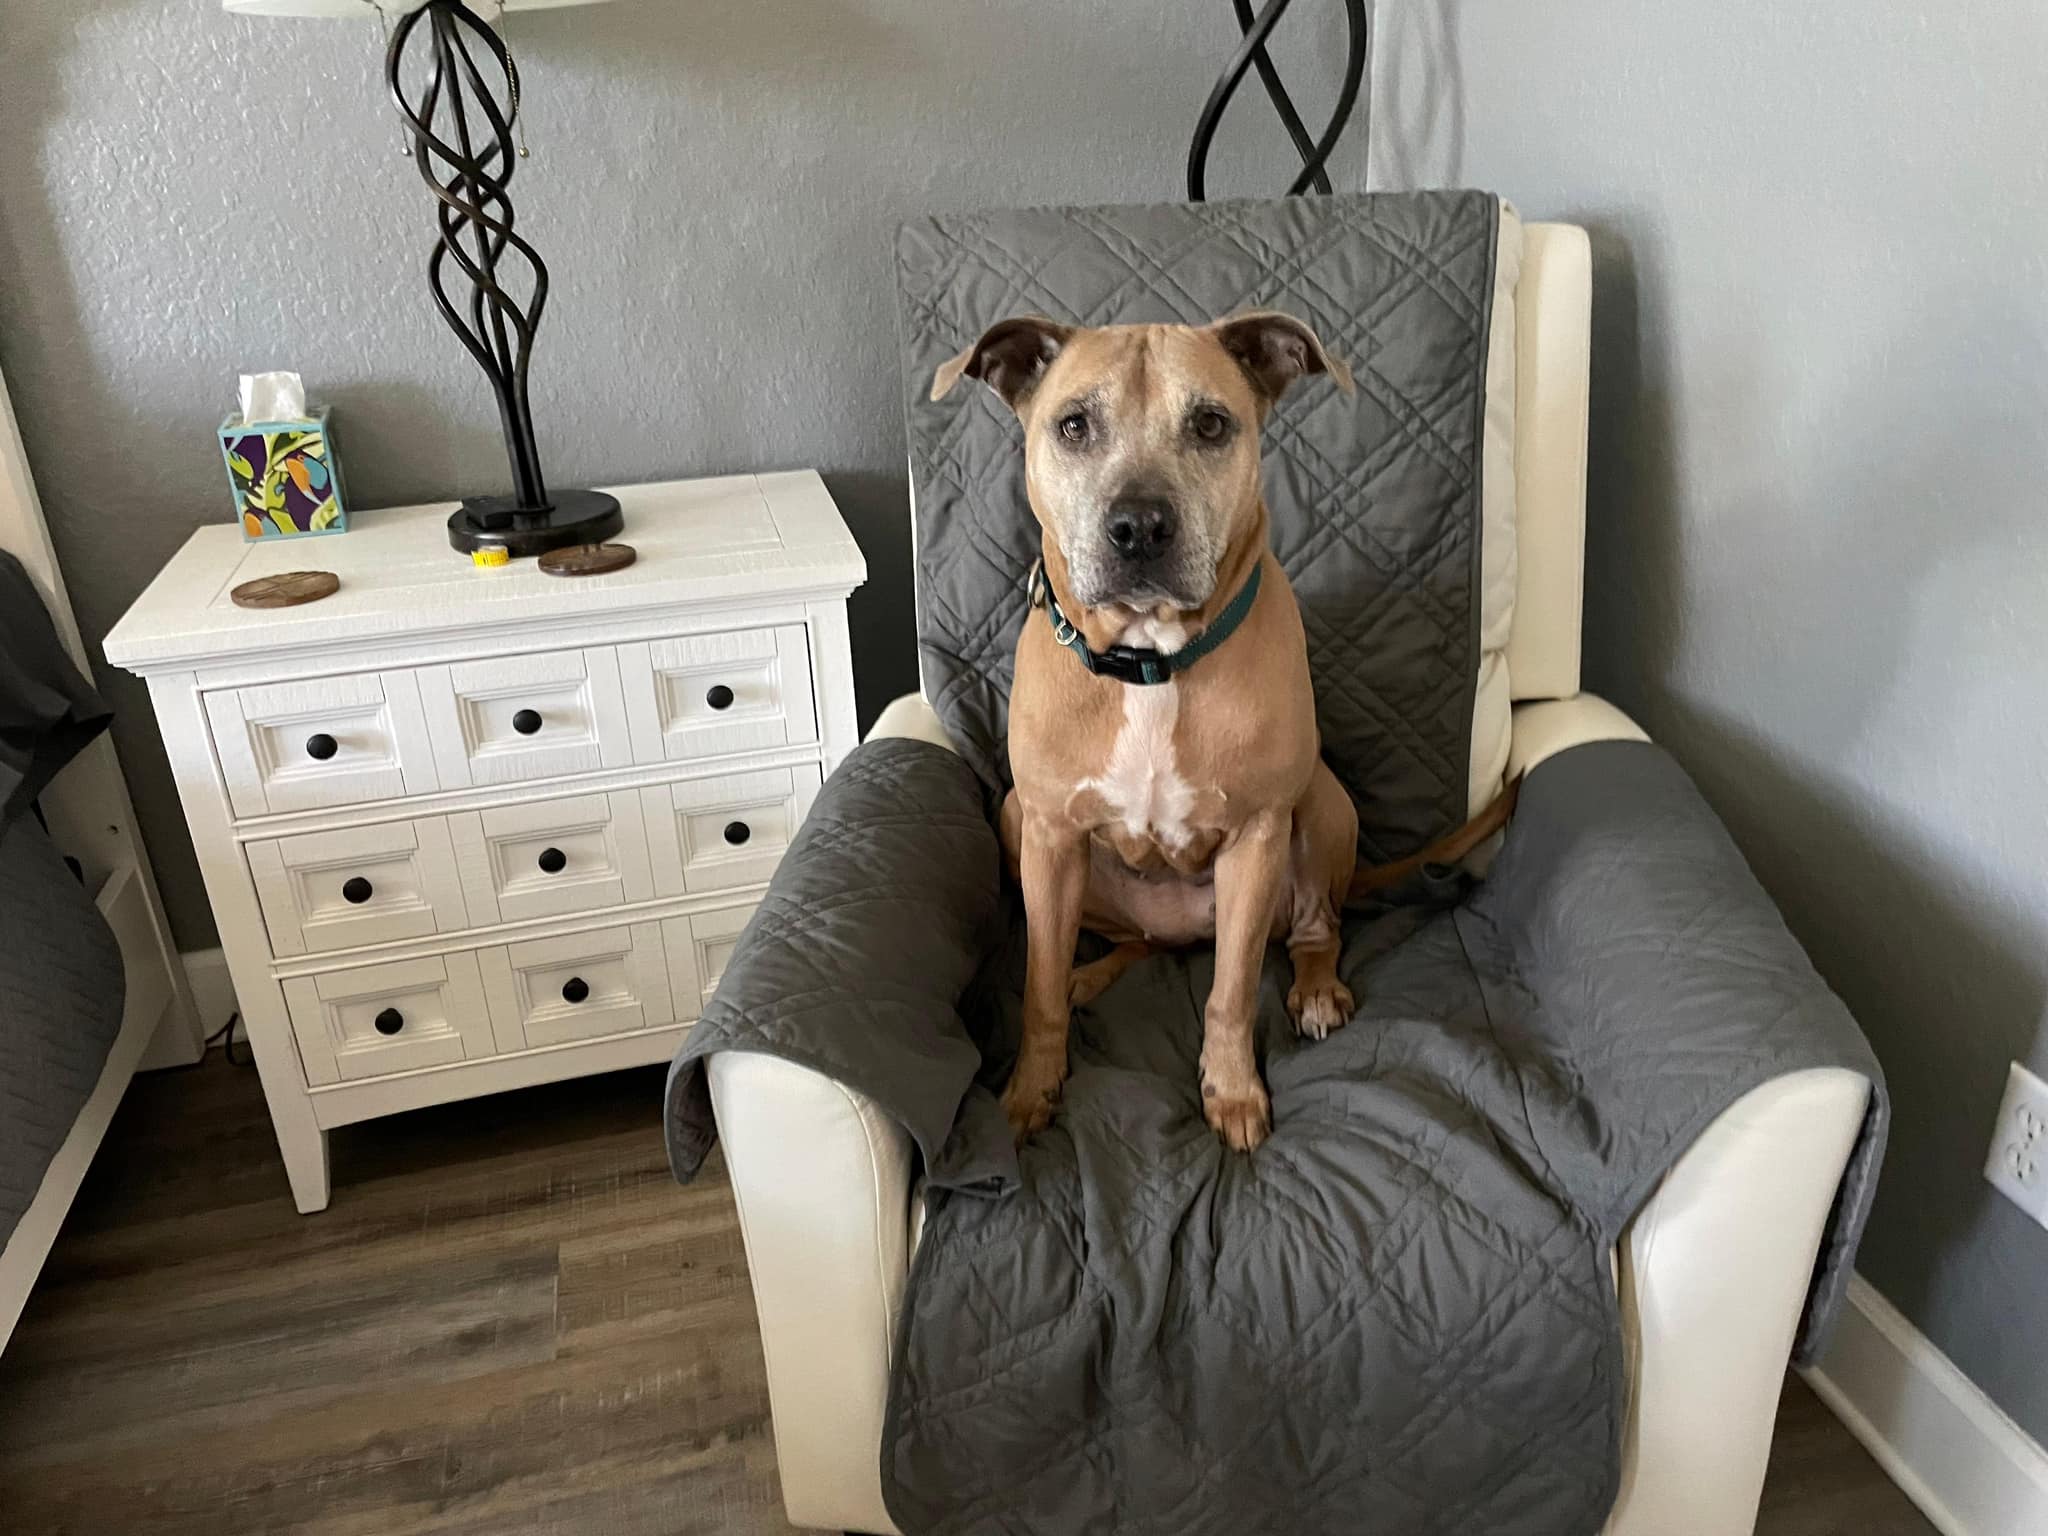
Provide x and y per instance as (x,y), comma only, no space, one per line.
(1711,1275)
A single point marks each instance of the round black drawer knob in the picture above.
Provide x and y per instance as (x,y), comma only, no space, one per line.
(355,890)
(526,722)
(720,697)
(553,861)
(390,1022)
(575,989)
(737,832)
(321,747)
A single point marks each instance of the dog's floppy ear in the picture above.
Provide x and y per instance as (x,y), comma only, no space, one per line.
(1276,349)
(1010,358)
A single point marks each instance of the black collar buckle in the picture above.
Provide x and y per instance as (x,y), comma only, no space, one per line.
(1132,664)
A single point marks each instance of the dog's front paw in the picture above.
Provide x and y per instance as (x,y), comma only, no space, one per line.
(1028,1100)
(1243,1118)
(1320,1007)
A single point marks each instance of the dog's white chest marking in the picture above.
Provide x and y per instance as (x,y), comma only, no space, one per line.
(1141,783)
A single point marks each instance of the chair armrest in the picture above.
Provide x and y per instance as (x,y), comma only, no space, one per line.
(833,1046)
(1547,727)
(821,1176)
(877,919)
(910,718)
(1712,1276)
(1668,982)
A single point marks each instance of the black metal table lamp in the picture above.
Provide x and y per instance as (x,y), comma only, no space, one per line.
(458,89)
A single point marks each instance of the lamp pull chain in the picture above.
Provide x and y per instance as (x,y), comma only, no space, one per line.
(518,118)
(512,82)
(511,73)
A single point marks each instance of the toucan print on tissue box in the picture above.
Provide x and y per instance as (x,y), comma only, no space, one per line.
(285,479)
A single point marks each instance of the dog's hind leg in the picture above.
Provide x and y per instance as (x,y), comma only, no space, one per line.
(1010,828)
(1321,856)
(1090,981)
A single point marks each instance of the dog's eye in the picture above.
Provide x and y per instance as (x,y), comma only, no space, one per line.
(1211,426)
(1074,427)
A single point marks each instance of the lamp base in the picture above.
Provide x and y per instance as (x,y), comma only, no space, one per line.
(496,522)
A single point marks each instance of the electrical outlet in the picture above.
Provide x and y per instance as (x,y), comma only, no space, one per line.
(2018,1164)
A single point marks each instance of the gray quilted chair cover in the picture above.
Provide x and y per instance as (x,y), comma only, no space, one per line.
(1374,499)
(1397,1316)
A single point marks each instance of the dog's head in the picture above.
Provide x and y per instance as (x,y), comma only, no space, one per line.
(1141,442)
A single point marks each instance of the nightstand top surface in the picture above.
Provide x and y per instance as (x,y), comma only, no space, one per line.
(699,541)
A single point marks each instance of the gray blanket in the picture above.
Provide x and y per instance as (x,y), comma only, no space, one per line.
(1396,1315)
(48,712)
(60,970)
(61,992)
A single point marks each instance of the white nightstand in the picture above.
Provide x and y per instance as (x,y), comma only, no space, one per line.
(466,830)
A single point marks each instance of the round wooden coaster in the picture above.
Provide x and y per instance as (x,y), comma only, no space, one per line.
(588,559)
(288,589)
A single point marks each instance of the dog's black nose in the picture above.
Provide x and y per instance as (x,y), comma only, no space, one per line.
(1141,527)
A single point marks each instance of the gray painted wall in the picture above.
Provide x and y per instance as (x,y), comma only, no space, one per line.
(1819,523)
(715,186)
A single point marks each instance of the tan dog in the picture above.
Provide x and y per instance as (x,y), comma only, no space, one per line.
(1194,808)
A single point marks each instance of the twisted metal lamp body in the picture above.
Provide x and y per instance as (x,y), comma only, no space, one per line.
(462,142)
(1252,54)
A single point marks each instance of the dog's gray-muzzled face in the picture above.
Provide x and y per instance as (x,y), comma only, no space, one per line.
(1141,442)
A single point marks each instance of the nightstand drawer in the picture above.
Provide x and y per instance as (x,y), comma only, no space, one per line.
(709,695)
(725,833)
(394,1017)
(698,948)
(525,717)
(363,885)
(321,742)
(576,853)
(577,986)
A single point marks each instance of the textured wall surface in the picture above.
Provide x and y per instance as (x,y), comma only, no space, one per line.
(1819,522)
(715,185)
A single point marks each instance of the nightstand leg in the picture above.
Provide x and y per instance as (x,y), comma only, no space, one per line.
(305,1164)
(300,1140)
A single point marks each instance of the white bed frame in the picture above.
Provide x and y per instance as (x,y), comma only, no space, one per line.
(90,819)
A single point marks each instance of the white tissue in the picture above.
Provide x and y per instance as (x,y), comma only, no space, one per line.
(273,397)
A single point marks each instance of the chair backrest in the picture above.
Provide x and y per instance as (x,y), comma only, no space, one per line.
(1473,332)
(1553,335)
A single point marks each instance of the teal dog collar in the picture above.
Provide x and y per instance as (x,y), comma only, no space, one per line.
(1139,664)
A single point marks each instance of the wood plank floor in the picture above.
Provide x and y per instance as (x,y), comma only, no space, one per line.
(510,1319)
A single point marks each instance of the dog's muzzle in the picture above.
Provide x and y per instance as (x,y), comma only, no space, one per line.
(1141,529)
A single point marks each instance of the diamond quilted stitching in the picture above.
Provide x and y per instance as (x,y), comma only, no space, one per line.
(1440,1448)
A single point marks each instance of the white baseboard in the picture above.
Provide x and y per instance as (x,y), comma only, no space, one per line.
(1970,1469)
(213,992)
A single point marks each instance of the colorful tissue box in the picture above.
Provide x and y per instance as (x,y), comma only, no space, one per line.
(284,475)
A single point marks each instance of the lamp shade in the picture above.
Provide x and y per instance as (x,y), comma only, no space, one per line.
(362,10)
